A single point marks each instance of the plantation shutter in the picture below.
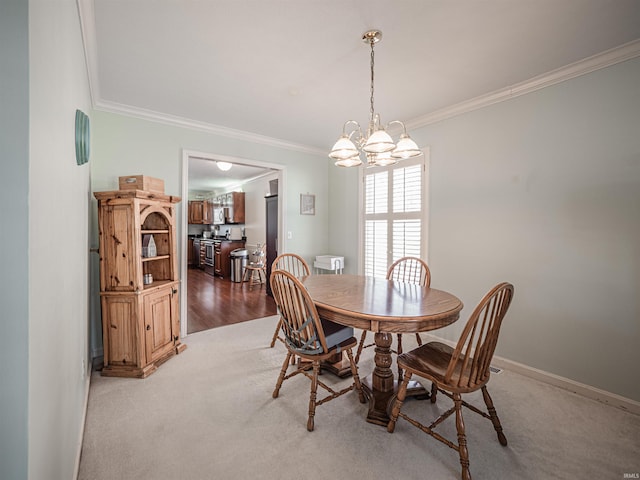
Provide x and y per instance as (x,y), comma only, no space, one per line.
(393,214)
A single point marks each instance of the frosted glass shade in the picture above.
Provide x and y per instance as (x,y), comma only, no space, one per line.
(384,159)
(379,142)
(406,148)
(349,162)
(344,149)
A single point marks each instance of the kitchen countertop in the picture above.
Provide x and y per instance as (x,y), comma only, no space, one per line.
(217,239)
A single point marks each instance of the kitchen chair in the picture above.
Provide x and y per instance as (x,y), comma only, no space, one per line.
(312,339)
(406,270)
(296,265)
(459,371)
(257,267)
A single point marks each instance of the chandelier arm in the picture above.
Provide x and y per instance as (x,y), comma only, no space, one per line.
(358,130)
(404,128)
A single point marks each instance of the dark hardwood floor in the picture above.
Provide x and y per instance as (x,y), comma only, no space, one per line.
(214,302)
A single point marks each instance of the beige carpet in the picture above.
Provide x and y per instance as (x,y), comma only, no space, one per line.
(208,414)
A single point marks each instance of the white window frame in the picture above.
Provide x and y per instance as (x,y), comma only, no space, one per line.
(424,233)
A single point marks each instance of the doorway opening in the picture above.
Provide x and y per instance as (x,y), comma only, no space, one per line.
(202,178)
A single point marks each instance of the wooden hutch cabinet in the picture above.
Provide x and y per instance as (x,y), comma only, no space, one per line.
(139,283)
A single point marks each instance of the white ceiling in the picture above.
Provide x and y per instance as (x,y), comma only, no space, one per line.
(293,71)
(206,177)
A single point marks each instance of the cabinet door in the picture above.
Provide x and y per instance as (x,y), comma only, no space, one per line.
(119,331)
(118,259)
(196,212)
(217,260)
(160,315)
(190,252)
(271,228)
(238,207)
(207,212)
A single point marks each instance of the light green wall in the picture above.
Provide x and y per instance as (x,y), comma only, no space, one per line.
(14,237)
(543,191)
(43,240)
(124,145)
(58,241)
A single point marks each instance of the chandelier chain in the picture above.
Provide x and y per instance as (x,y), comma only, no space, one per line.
(371,110)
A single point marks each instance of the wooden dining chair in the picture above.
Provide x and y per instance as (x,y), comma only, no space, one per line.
(296,265)
(406,270)
(257,267)
(310,338)
(460,370)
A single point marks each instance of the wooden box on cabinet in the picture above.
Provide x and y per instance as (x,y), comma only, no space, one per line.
(141,182)
(140,319)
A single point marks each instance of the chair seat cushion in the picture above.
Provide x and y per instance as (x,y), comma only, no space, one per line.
(335,333)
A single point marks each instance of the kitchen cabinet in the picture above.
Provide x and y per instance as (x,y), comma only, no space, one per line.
(222,256)
(271,231)
(235,207)
(139,294)
(190,259)
(200,212)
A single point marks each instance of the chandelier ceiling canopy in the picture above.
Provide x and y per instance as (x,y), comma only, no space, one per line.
(377,146)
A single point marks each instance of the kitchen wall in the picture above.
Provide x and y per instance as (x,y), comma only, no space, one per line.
(255,209)
(44,364)
(543,191)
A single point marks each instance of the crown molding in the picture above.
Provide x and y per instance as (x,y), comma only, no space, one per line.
(590,64)
(182,122)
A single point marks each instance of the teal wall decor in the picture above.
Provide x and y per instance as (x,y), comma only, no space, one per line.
(82,138)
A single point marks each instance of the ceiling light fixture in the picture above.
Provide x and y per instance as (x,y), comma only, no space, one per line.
(377,146)
(224,166)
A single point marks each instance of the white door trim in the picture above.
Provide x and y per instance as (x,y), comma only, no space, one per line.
(182,228)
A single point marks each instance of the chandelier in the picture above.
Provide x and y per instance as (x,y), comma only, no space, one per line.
(377,146)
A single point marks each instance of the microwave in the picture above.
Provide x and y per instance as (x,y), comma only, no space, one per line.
(218,216)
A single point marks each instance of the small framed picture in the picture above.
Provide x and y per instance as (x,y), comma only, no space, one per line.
(307,204)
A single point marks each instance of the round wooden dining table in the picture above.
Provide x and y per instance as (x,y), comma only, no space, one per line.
(384,307)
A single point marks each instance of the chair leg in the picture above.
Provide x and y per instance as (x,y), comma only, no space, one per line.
(399,352)
(312,395)
(418,339)
(356,377)
(360,346)
(283,372)
(462,439)
(275,334)
(434,392)
(494,416)
(397,405)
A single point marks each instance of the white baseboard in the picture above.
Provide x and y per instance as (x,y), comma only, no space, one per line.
(587,391)
(87,384)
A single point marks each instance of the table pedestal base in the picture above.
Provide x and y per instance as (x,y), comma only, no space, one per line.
(338,365)
(380,403)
